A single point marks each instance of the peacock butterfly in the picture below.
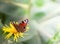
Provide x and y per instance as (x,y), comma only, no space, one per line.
(21,27)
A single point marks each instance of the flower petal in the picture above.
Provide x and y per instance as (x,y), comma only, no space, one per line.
(9,35)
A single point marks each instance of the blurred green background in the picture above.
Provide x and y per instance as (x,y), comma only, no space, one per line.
(43,15)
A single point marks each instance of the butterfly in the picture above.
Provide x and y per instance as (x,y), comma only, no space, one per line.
(21,27)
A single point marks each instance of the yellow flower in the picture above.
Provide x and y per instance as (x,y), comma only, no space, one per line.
(12,31)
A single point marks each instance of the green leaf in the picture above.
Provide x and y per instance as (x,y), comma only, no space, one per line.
(39,3)
(38,16)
